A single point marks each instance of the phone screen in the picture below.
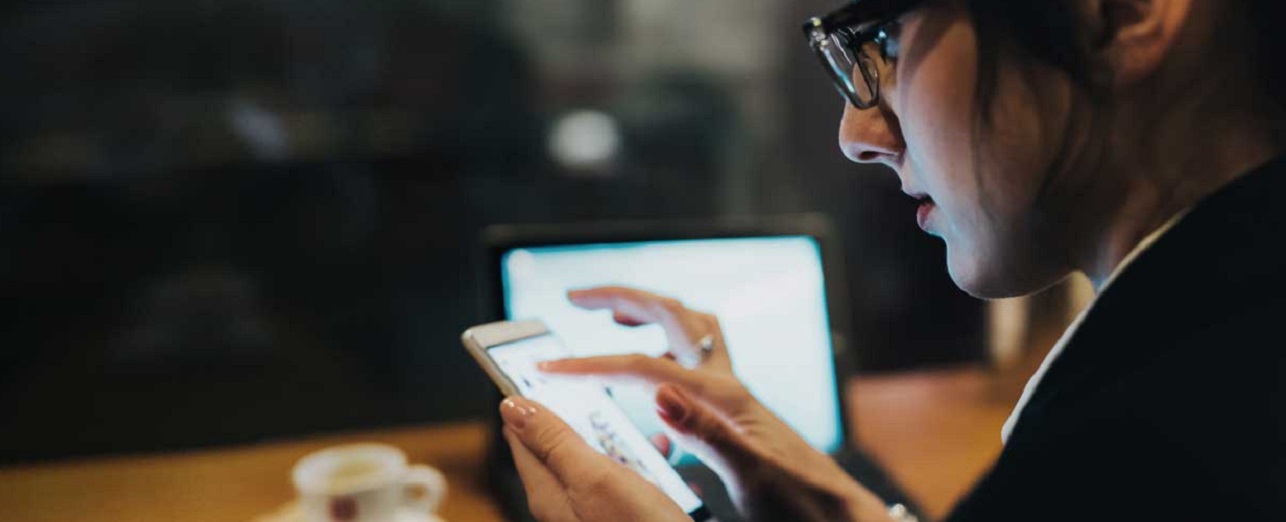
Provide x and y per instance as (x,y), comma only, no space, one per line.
(588,409)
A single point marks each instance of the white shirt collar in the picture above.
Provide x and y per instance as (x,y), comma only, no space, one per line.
(1058,348)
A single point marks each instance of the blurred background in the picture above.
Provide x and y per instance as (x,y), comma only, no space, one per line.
(225,221)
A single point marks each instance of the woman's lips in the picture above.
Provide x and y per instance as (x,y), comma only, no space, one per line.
(922,213)
(924,210)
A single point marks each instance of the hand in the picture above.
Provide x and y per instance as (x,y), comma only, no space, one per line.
(770,471)
(567,481)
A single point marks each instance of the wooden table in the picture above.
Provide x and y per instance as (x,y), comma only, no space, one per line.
(235,484)
(936,431)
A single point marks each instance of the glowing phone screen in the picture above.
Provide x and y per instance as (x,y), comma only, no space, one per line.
(588,409)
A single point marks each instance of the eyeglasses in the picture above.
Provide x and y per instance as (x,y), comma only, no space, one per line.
(850,40)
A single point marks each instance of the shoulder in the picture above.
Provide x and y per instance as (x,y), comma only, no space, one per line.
(1170,400)
(1190,436)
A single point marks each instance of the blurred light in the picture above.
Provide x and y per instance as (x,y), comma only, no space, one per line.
(260,129)
(585,139)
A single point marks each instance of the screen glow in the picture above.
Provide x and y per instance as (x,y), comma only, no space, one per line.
(587,408)
(768,293)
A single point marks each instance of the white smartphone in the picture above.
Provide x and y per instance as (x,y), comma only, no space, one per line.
(509,351)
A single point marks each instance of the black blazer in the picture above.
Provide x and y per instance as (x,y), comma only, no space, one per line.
(1169,402)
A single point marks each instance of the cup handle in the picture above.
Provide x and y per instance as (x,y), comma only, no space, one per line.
(424,489)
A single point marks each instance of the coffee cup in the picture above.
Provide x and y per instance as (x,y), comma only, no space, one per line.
(366,483)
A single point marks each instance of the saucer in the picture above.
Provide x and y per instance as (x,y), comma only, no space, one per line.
(407,515)
(291,513)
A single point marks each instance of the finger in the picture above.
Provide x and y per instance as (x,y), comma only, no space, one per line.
(694,426)
(630,368)
(616,298)
(683,327)
(627,304)
(625,319)
(661,442)
(552,442)
(718,357)
(544,490)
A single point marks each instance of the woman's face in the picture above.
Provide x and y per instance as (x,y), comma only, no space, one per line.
(981,185)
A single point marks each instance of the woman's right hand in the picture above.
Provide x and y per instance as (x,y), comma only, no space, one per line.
(770,471)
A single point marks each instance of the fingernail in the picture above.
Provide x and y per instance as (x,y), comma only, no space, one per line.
(672,406)
(553,366)
(515,413)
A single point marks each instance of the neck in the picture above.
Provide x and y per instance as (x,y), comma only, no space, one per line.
(1195,126)
(1166,183)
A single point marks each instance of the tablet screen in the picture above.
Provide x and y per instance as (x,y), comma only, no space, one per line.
(768,293)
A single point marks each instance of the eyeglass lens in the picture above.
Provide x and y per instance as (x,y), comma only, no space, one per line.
(855,73)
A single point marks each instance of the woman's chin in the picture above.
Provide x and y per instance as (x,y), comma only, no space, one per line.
(980,279)
(971,285)
(984,279)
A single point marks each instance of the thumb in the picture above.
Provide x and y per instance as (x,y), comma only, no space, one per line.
(703,431)
(552,443)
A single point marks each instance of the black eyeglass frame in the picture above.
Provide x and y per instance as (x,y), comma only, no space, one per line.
(858,23)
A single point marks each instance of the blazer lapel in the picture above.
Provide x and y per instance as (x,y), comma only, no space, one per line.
(1220,260)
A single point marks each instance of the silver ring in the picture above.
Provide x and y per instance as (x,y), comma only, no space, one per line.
(705,346)
(900,513)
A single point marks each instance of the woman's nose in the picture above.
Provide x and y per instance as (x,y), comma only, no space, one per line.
(870,135)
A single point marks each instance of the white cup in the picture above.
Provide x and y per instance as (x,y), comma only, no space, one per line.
(366,483)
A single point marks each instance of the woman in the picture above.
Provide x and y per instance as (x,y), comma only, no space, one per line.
(1136,141)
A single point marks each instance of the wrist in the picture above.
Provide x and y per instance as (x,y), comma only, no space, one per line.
(865,506)
(821,494)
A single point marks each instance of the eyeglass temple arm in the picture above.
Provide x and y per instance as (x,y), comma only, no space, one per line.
(866,12)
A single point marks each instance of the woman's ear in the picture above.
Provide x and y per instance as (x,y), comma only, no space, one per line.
(1134,37)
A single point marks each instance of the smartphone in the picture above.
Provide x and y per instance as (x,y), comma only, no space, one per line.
(509,351)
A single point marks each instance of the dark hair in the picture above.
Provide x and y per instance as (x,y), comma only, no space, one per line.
(1048,31)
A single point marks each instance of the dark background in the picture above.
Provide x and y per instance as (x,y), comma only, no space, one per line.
(227,221)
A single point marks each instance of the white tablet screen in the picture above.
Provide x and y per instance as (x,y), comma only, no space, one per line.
(768,293)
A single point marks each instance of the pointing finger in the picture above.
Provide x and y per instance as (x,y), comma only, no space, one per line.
(633,367)
(684,328)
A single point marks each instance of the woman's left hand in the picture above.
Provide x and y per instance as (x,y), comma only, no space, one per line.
(567,481)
